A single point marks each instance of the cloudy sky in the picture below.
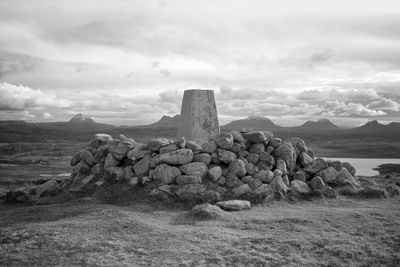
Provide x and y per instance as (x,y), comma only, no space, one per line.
(127,62)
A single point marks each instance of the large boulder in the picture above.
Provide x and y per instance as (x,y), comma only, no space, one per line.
(267,158)
(238,168)
(349,167)
(110,161)
(317,165)
(288,154)
(194,168)
(344,177)
(238,137)
(138,152)
(165,174)
(119,149)
(86,156)
(142,167)
(317,183)
(224,140)
(193,146)
(157,143)
(177,157)
(257,148)
(169,148)
(49,188)
(188,179)
(305,159)
(300,187)
(253,158)
(202,157)
(328,175)
(209,147)
(298,144)
(234,205)
(231,180)
(241,190)
(256,136)
(226,156)
(335,164)
(265,176)
(215,173)
(278,185)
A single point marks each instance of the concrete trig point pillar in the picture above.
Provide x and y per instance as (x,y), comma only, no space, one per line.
(199,118)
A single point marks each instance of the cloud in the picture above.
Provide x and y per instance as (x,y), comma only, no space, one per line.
(384,104)
(21,97)
(47,115)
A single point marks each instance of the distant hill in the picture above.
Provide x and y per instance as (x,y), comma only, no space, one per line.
(166,122)
(319,125)
(374,127)
(252,122)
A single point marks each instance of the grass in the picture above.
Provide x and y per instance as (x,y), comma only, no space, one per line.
(338,232)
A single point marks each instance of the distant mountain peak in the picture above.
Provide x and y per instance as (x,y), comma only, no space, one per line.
(323,120)
(80,118)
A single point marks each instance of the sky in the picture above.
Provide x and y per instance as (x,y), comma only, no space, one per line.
(127,62)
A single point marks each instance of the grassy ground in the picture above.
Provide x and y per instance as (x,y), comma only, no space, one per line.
(339,232)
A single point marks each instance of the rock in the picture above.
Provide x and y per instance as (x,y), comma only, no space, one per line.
(221,180)
(300,187)
(49,188)
(98,168)
(231,180)
(181,142)
(18,195)
(226,156)
(393,190)
(264,176)
(128,172)
(335,164)
(224,140)
(305,159)
(82,167)
(238,168)
(87,157)
(317,183)
(165,174)
(234,205)
(164,192)
(142,167)
(117,173)
(344,177)
(81,184)
(105,138)
(262,192)
(243,154)
(317,165)
(193,146)
(188,179)
(299,175)
(278,185)
(119,149)
(349,167)
(257,148)
(288,154)
(246,179)
(373,192)
(155,160)
(238,137)
(133,181)
(251,169)
(207,212)
(298,144)
(281,165)
(209,147)
(177,157)
(202,157)
(328,192)
(211,196)
(263,166)
(241,190)
(328,175)
(236,148)
(285,179)
(269,150)
(215,158)
(157,143)
(215,173)
(278,172)
(138,152)
(75,159)
(191,192)
(168,148)
(253,158)
(256,136)
(310,153)
(194,168)
(275,142)
(265,157)
(110,161)
(254,183)
(127,139)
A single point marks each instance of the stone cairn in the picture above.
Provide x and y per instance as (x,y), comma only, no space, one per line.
(249,165)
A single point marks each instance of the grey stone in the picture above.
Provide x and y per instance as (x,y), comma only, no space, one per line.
(281,165)
(224,140)
(238,137)
(193,146)
(231,180)
(317,165)
(191,192)
(110,161)
(317,183)
(238,168)
(263,166)
(305,159)
(328,175)
(157,143)
(344,177)
(169,148)
(335,164)
(194,168)
(119,149)
(264,176)
(251,169)
(257,148)
(202,157)
(253,158)
(256,136)
(166,174)
(300,187)
(188,179)
(226,156)
(234,205)
(241,190)
(128,172)
(215,173)
(49,188)
(288,154)
(299,175)
(349,167)
(278,185)
(117,173)
(177,157)
(207,212)
(265,157)
(209,147)
(275,142)
(142,167)
(133,181)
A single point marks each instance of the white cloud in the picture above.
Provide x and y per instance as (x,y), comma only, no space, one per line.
(384,104)
(14,97)
(47,115)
